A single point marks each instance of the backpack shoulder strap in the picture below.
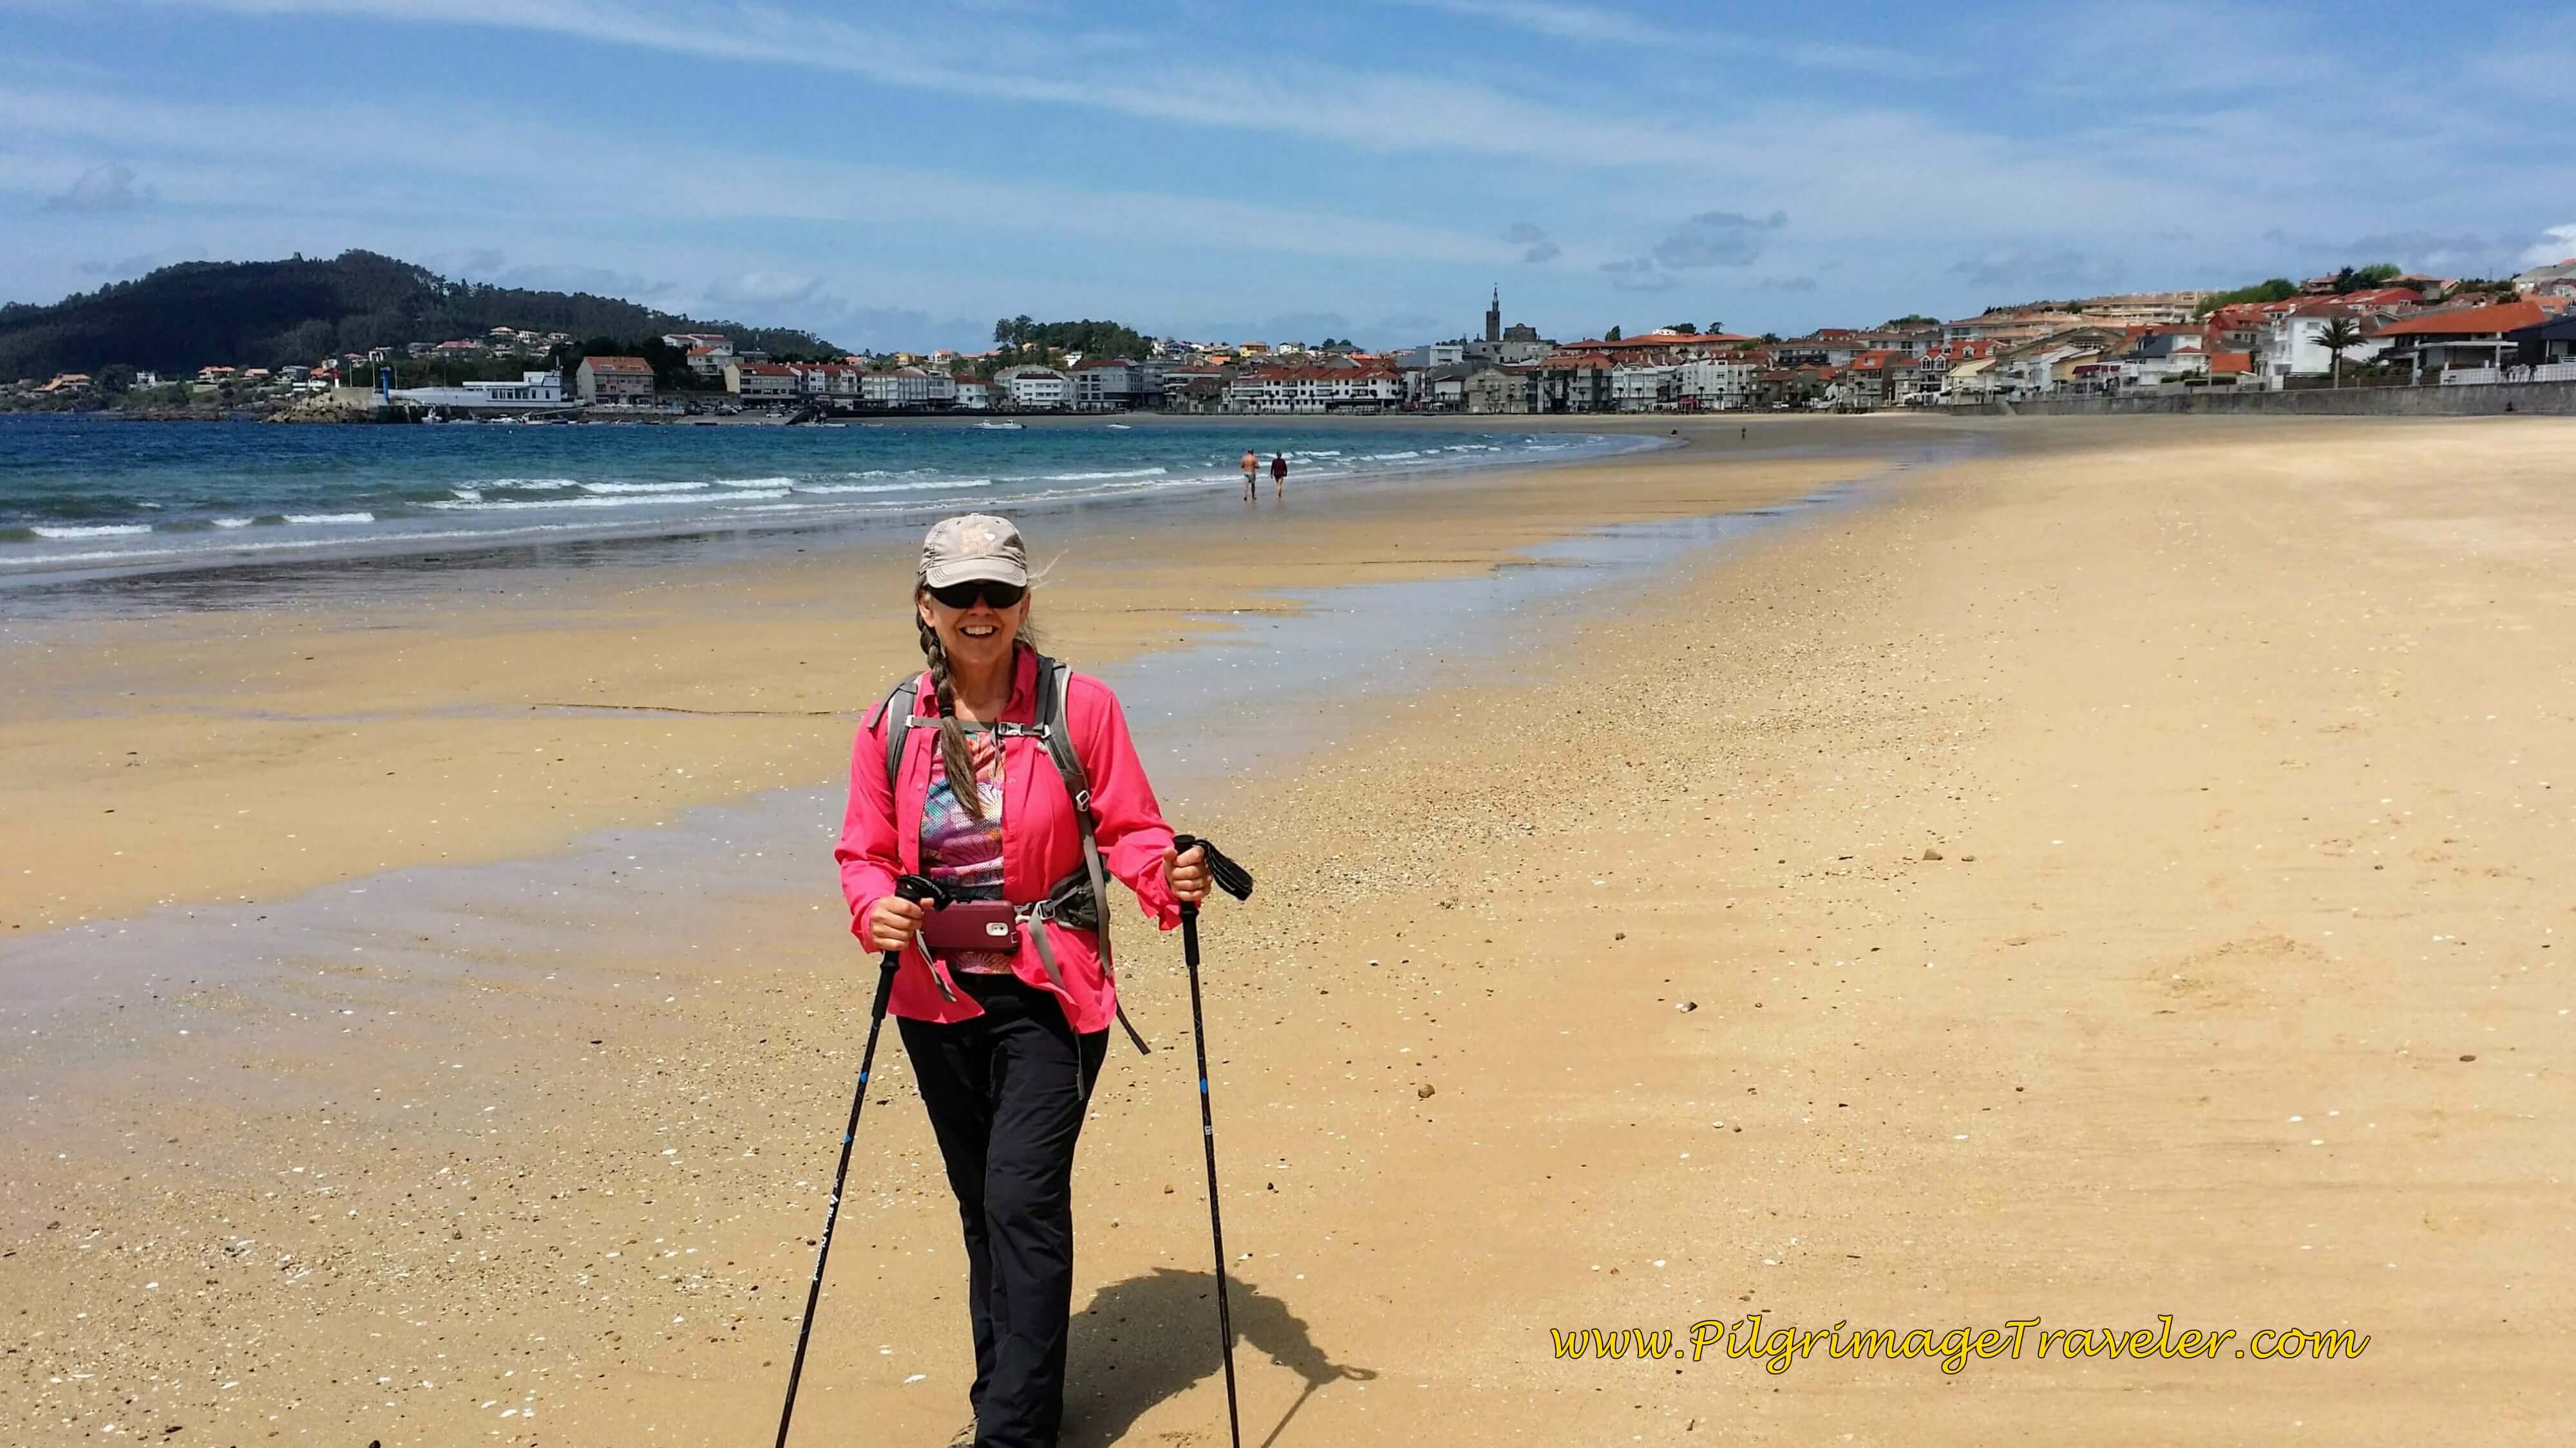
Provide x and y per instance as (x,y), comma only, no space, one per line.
(1055,682)
(896,709)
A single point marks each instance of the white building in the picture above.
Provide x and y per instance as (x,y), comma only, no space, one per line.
(533,389)
(1314,389)
(1439,389)
(828,381)
(1713,386)
(766,381)
(1107,384)
(1036,389)
(907,387)
(2294,346)
(1644,389)
(1969,380)
(974,393)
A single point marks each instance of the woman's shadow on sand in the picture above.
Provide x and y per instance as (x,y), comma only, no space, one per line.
(1146,1339)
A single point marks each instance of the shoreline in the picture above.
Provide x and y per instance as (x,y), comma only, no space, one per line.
(248,753)
(2106,876)
(451,517)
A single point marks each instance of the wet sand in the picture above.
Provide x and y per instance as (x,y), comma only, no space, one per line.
(496,712)
(2230,994)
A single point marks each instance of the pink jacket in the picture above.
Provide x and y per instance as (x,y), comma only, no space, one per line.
(1041,840)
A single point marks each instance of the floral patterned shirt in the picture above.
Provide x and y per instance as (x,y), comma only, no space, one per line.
(962,852)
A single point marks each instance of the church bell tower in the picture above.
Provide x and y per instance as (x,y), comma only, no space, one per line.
(1494,318)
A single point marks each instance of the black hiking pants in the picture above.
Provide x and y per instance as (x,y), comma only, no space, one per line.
(1003,1103)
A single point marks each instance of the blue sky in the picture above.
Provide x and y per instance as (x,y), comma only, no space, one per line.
(902,175)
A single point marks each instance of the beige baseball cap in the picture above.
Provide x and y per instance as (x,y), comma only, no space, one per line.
(973,546)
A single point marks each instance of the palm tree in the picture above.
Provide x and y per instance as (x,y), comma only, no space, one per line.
(2340,336)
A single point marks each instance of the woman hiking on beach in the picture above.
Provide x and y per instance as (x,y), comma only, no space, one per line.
(1005,1042)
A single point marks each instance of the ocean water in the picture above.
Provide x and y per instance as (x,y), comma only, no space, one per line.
(103,495)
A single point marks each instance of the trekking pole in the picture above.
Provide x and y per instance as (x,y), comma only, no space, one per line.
(1235,881)
(910,887)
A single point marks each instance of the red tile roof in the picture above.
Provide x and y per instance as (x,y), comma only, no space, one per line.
(619,364)
(2502,317)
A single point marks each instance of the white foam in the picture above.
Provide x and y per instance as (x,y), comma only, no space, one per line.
(332,517)
(534,484)
(755,482)
(643,487)
(1099,477)
(234,522)
(927,485)
(102,530)
(506,505)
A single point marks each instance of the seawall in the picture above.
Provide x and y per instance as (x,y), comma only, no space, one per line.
(2552,399)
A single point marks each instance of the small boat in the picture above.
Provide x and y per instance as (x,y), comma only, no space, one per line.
(1002,426)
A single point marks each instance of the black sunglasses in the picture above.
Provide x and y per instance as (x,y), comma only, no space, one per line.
(963,595)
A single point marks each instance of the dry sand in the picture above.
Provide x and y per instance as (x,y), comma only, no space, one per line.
(1628,995)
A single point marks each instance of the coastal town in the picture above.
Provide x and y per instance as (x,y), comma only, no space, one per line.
(2366,327)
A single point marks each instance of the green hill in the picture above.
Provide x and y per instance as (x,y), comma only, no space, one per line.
(272,313)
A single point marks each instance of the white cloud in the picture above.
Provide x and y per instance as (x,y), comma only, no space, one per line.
(101,188)
(2560,246)
(1841,156)
(253,155)
(1591,25)
(2057,266)
(2077,135)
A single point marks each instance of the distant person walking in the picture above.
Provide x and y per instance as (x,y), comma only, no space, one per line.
(1278,475)
(1251,474)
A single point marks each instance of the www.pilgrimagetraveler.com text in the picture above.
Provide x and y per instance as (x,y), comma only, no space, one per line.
(1778,1347)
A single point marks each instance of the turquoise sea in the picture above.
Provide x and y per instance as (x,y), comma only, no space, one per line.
(102,495)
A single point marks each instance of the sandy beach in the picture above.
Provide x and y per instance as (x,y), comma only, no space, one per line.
(2102,870)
